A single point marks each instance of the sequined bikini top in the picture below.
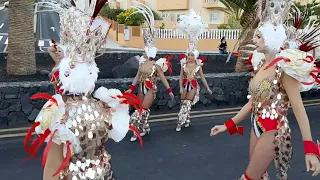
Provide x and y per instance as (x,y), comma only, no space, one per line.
(148,74)
(268,95)
(190,75)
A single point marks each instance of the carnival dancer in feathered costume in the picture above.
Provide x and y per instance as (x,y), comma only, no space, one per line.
(277,84)
(191,67)
(74,124)
(149,70)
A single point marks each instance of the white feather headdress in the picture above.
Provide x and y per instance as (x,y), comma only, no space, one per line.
(272,15)
(150,35)
(191,26)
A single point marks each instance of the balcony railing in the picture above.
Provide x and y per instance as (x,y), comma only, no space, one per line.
(209,34)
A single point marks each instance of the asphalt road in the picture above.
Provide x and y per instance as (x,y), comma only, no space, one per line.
(169,155)
(4,16)
(48,27)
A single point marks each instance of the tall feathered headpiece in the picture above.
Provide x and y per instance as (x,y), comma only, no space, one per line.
(272,14)
(150,35)
(82,32)
(191,26)
(305,39)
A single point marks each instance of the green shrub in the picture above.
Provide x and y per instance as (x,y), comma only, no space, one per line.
(223,26)
(130,19)
(110,13)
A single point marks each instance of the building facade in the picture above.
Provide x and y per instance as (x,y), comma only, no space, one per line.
(171,10)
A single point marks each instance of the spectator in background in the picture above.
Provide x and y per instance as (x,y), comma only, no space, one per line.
(223,46)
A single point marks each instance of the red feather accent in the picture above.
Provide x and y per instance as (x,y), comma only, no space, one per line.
(168,61)
(131,99)
(298,20)
(28,136)
(317,63)
(66,159)
(309,40)
(203,60)
(249,63)
(37,143)
(276,61)
(54,44)
(309,59)
(44,96)
(182,56)
(313,73)
(137,134)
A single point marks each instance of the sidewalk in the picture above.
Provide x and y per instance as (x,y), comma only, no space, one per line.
(114,46)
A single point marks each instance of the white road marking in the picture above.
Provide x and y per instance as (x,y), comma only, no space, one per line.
(1,25)
(41,43)
(1,37)
(6,42)
(5,48)
(53,29)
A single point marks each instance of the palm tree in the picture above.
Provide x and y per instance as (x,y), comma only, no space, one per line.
(232,9)
(249,22)
(21,49)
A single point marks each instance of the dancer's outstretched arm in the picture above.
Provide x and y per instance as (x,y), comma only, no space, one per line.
(231,124)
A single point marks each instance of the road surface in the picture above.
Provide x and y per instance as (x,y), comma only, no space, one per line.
(4,16)
(48,27)
(189,154)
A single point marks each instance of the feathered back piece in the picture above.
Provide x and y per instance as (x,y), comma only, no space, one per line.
(150,35)
(191,26)
(305,39)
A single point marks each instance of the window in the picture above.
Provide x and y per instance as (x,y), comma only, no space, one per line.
(178,16)
(214,17)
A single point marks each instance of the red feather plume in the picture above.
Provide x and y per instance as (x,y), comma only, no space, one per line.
(44,96)
(182,56)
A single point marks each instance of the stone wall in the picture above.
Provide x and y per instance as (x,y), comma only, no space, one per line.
(215,63)
(16,108)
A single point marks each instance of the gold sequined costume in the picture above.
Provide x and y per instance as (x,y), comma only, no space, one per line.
(147,83)
(270,101)
(93,161)
(147,76)
(79,118)
(191,26)
(189,83)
